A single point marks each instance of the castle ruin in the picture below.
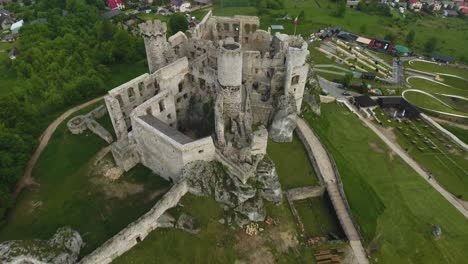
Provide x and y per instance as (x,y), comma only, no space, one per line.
(209,97)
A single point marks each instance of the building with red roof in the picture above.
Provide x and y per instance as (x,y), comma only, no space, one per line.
(115,4)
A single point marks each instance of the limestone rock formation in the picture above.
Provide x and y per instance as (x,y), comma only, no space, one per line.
(270,188)
(63,248)
(312,93)
(211,179)
(284,121)
(188,224)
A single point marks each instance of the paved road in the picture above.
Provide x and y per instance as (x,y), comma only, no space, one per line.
(26,179)
(326,170)
(459,205)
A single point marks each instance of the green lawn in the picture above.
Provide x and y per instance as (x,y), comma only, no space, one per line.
(216,243)
(391,203)
(318,217)
(292,164)
(447,164)
(425,101)
(70,195)
(460,133)
(436,68)
(432,87)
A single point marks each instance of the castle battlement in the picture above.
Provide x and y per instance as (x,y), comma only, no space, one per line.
(153,28)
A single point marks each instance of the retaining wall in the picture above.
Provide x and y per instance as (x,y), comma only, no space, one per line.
(138,230)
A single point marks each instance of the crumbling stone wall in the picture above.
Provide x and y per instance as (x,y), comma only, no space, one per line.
(138,230)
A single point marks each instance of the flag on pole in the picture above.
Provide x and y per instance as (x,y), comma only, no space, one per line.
(295,21)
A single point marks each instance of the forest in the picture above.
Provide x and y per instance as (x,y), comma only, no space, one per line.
(63,62)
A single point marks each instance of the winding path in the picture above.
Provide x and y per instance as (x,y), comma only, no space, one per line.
(26,179)
(331,182)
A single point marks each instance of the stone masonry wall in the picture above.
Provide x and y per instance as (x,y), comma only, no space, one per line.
(138,230)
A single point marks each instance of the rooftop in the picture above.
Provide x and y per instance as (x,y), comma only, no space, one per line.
(166,130)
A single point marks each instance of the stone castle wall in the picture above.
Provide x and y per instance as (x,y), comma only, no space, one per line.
(136,231)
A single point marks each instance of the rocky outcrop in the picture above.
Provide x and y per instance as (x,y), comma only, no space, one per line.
(246,200)
(284,121)
(312,94)
(188,224)
(269,186)
(63,248)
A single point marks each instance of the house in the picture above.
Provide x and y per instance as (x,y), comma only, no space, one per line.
(399,105)
(434,6)
(6,19)
(414,5)
(15,27)
(463,7)
(203,2)
(368,76)
(450,13)
(113,4)
(352,3)
(447,4)
(441,58)
(364,101)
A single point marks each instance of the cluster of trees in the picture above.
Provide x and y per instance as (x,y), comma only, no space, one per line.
(374,8)
(62,62)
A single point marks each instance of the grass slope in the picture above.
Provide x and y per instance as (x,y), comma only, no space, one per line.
(388,199)
(460,133)
(69,198)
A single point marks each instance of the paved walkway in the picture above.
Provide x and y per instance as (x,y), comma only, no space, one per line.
(459,205)
(27,179)
(326,170)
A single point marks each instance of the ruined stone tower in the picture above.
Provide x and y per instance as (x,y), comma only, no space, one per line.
(232,99)
(156,45)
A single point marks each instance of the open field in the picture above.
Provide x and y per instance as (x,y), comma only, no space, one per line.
(292,164)
(221,243)
(395,207)
(73,192)
(433,151)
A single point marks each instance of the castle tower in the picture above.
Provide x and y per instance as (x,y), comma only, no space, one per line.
(230,75)
(156,45)
(232,98)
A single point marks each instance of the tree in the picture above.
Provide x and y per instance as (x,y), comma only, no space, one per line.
(302,15)
(340,8)
(430,44)
(347,80)
(177,23)
(390,36)
(410,37)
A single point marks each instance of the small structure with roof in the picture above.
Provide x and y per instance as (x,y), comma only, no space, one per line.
(16,26)
(401,50)
(364,101)
(441,58)
(115,4)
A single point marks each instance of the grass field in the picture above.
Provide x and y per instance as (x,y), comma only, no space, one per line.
(220,243)
(425,101)
(72,194)
(445,160)
(292,164)
(460,133)
(318,217)
(393,205)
